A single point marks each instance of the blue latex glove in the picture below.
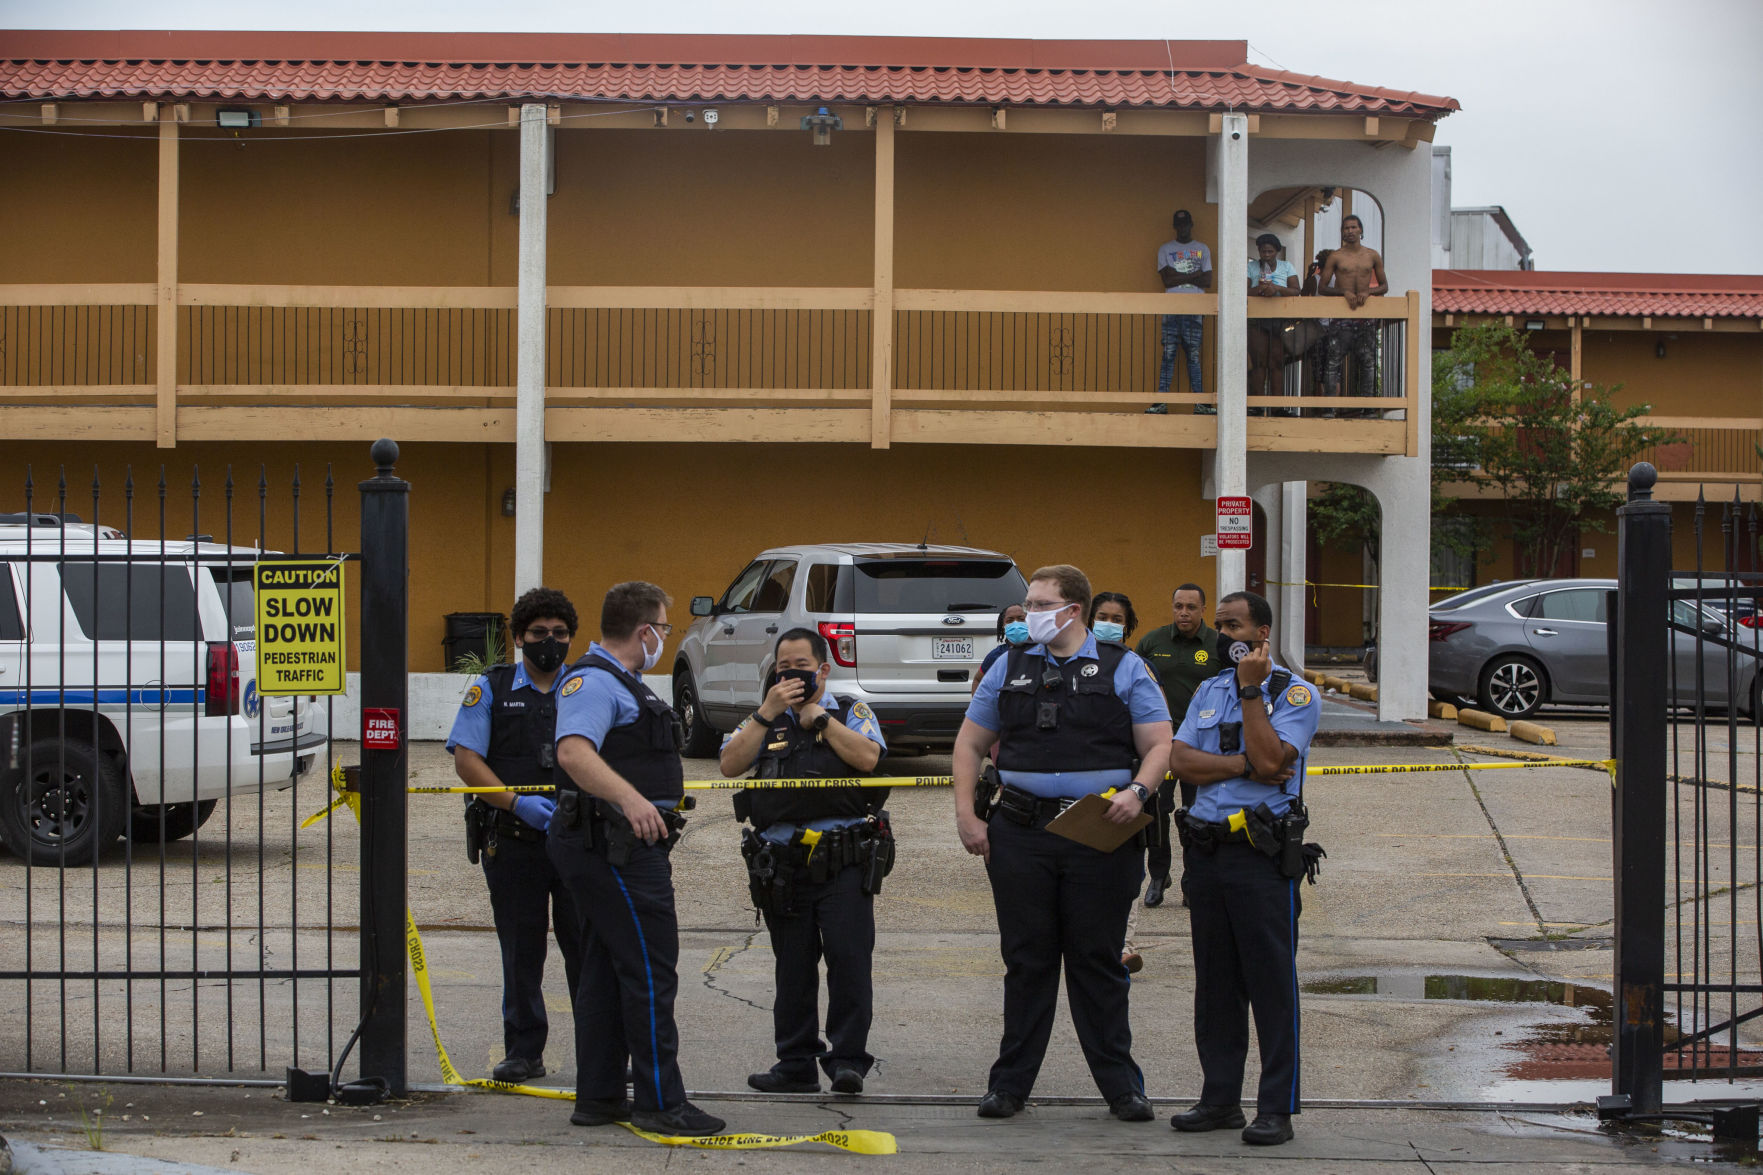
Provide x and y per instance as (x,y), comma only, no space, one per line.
(535,810)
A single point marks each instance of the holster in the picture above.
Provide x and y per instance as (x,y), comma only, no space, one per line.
(1299,858)
(985,792)
(1195,834)
(761,868)
(574,811)
(1151,835)
(879,848)
(476,834)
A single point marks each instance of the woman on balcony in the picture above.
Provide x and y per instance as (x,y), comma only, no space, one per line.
(1270,276)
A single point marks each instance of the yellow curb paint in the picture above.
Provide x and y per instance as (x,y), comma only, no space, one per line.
(1480,720)
(1531,732)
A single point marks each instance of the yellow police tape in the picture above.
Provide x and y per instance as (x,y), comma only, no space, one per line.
(1414,768)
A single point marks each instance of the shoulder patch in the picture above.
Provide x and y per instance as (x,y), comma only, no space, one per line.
(1201,656)
(473,696)
(862,710)
(1298,695)
(570,686)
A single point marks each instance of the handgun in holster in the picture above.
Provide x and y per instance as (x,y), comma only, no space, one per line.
(621,838)
(1196,834)
(476,828)
(761,868)
(985,792)
(880,859)
(1298,858)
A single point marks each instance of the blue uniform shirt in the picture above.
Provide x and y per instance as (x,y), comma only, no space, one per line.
(859,718)
(1133,684)
(1295,715)
(598,704)
(471,726)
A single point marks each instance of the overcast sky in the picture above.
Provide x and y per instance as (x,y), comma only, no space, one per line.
(1619,134)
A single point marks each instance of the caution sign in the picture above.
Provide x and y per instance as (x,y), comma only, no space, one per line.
(299,627)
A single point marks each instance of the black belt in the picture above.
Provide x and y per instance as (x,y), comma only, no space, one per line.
(1026,808)
(508,824)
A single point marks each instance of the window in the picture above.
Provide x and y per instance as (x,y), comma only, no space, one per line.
(927,585)
(1576,604)
(11,627)
(823,583)
(739,597)
(774,593)
(238,598)
(132,601)
(1453,553)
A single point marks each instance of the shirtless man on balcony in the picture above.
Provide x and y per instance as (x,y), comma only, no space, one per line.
(1355,273)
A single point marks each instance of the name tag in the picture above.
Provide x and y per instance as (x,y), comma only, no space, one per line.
(783,746)
(1207,713)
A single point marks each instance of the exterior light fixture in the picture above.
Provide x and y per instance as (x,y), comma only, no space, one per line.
(1534,324)
(236,119)
(1660,349)
(508,502)
(823,123)
(712,116)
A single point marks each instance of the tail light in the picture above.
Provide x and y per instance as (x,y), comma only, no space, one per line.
(223,679)
(1438,630)
(1751,621)
(841,638)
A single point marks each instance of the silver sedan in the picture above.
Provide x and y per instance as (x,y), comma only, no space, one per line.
(1514,646)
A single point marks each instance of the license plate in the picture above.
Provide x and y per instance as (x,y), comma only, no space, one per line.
(952,648)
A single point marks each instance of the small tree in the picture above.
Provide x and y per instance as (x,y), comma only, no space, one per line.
(1555,458)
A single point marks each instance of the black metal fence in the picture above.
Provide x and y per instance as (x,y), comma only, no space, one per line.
(162,911)
(1688,804)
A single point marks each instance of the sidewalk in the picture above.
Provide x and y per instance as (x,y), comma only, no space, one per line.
(442,1133)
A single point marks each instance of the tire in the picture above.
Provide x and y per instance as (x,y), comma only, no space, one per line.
(701,741)
(181,820)
(1513,687)
(1370,664)
(68,808)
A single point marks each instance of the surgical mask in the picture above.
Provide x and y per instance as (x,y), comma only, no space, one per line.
(1016,632)
(545,655)
(1230,651)
(1109,630)
(650,660)
(808,678)
(1045,626)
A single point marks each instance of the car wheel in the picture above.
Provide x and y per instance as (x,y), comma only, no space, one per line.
(66,808)
(178,820)
(701,740)
(1513,687)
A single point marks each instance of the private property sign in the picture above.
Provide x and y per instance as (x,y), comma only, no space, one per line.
(1235,522)
(299,627)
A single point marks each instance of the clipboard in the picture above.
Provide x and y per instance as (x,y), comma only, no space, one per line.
(1087,823)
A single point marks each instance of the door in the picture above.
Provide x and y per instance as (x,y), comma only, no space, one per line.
(721,665)
(11,642)
(1566,628)
(755,636)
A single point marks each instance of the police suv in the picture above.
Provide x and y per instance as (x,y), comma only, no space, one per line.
(128,699)
(906,626)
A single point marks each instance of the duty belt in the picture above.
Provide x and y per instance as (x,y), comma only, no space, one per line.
(1025,808)
(508,824)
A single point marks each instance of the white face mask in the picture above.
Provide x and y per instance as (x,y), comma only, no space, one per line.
(650,660)
(1044,627)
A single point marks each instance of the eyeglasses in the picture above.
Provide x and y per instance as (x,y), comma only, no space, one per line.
(539,634)
(1044,605)
(665,630)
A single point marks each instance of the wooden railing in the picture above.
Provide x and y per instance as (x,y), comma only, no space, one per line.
(1719,449)
(266,362)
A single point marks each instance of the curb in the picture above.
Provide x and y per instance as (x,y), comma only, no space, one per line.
(1441,710)
(1481,720)
(1531,732)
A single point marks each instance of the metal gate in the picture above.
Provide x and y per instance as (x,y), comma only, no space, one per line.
(164,913)
(1688,804)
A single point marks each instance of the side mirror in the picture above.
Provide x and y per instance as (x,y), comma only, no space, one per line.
(703,605)
(1710,624)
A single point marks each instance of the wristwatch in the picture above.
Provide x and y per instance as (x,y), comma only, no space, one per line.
(1141,791)
(1247,692)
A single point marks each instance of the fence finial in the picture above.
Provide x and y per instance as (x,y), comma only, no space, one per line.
(1641,480)
(385,455)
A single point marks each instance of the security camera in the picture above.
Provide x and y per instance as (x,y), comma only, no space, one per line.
(1234,134)
(711,116)
(689,116)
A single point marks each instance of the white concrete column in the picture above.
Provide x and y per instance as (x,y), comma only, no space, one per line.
(1230,276)
(1404,494)
(1294,562)
(529,411)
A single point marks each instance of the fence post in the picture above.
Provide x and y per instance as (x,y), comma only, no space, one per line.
(385,666)
(1640,824)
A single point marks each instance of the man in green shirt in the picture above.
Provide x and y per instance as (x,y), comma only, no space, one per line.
(1182,655)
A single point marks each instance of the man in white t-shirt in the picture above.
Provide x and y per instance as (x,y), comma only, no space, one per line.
(1184,266)
(1270,276)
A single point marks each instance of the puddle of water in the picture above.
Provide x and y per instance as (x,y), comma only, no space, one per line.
(1493,989)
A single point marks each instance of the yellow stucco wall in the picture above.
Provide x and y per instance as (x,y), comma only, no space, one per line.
(79,207)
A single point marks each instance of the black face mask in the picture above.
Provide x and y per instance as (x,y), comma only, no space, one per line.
(805,676)
(1230,651)
(545,655)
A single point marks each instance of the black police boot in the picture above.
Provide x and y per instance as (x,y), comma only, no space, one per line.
(684,1120)
(1269,1130)
(1154,891)
(591,1112)
(518,1069)
(999,1104)
(771,1081)
(1205,1117)
(847,1080)
(1131,1107)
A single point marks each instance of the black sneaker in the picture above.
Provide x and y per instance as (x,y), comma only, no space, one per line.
(771,1081)
(1269,1130)
(998,1104)
(1205,1117)
(684,1120)
(591,1112)
(847,1080)
(1131,1107)
(518,1069)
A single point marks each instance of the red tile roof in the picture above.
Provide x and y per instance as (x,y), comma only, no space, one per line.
(1631,295)
(405,67)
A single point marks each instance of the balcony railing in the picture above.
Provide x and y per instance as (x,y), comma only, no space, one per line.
(1714,449)
(672,363)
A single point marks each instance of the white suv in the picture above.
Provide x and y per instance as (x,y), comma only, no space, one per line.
(906,625)
(128,700)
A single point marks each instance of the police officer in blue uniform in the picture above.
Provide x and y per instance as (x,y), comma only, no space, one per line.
(503,736)
(1244,742)
(1072,717)
(617,818)
(815,859)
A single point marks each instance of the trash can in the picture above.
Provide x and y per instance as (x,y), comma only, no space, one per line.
(479,634)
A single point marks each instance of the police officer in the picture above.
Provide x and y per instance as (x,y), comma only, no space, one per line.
(616,820)
(503,737)
(1180,654)
(1072,717)
(1244,743)
(813,859)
